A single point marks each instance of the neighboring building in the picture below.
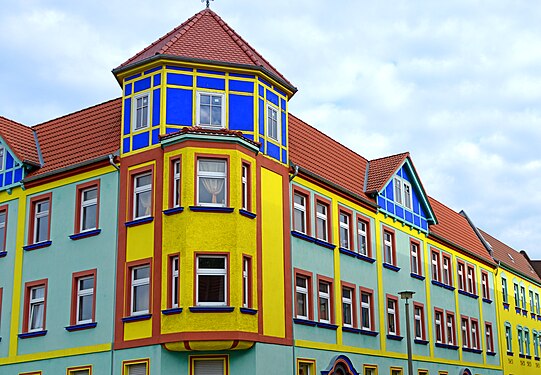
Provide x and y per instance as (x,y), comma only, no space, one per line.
(194,226)
(518,301)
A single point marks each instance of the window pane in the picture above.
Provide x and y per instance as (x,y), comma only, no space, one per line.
(211,288)
(85,307)
(209,367)
(321,229)
(37,293)
(212,263)
(301,304)
(36,316)
(140,298)
(142,205)
(90,194)
(42,229)
(216,116)
(87,283)
(42,206)
(301,282)
(211,190)
(143,180)
(89,217)
(204,115)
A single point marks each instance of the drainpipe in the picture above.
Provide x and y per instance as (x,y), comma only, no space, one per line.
(295,173)
(112,162)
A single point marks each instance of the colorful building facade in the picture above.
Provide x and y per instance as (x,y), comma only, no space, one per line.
(195,226)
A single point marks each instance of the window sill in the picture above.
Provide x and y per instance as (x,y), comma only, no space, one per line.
(442,285)
(395,337)
(172,311)
(533,316)
(136,318)
(80,327)
(356,255)
(524,312)
(510,354)
(172,211)
(468,294)
(247,213)
(391,267)
(90,233)
(506,306)
(517,310)
(475,351)
(226,210)
(211,309)
(3,254)
(141,221)
(486,300)
(528,357)
(351,329)
(522,356)
(491,354)
(311,239)
(536,358)
(416,276)
(246,310)
(38,245)
(327,326)
(539,318)
(28,335)
(304,322)
(446,346)
(420,341)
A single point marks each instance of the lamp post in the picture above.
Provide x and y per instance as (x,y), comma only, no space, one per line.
(407,295)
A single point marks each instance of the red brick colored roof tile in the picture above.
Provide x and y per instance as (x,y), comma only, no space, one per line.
(20,139)
(320,154)
(79,137)
(380,171)
(205,36)
(510,257)
(455,228)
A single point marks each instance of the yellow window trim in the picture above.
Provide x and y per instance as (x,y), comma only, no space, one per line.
(71,370)
(127,363)
(195,358)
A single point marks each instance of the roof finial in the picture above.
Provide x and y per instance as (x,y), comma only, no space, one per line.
(208,2)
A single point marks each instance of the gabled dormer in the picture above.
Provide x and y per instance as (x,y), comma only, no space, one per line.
(203,74)
(398,191)
(18,153)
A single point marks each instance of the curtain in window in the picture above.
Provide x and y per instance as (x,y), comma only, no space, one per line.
(213,186)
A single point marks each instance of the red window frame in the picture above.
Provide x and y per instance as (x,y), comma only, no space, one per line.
(78,201)
(27,287)
(474,324)
(349,214)
(390,297)
(170,259)
(31,223)
(489,335)
(327,203)
(447,257)
(461,278)
(370,294)
(484,284)
(247,258)
(366,221)
(465,340)
(353,290)
(4,209)
(391,232)
(423,329)
(437,276)
(74,287)
(441,327)
(474,283)
(246,164)
(128,296)
(330,283)
(450,314)
(306,194)
(172,161)
(310,303)
(131,178)
(419,257)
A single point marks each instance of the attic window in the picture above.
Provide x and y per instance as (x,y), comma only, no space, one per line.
(141,113)
(210,110)
(402,192)
(1,158)
(511,257)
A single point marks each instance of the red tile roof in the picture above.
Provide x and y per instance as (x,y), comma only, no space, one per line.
(200,130)
(510,257)
(320,154)
(380,171)
(455,228)
(20,139)
(79,137)
(206,36)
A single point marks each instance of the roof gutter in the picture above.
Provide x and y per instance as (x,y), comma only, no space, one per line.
(154,58)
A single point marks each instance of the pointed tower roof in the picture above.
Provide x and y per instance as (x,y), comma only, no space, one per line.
(205,37)
(20,139)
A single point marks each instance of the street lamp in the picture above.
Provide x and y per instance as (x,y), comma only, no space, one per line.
(407,295)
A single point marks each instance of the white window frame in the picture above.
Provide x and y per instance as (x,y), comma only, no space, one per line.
(88,203)
(324,297)
(245,282)
(303,291)
(36,302)
(211,272)
(460,273)
(141,96)
(3,229)
(470,279)
(388,247)
(244,186)
(446,270)
(398,190)
(2,157)
(302,209)
(532,306)
(464,327)
(435,265)
(517,295)
(489,339)
(345,240)
(484,285)
(403,193)
(84,293)
(322,217)
(537,306)
(414,257)
(139,190)
(176,183)
(527,341)
(406,189)
(418,322)
(273,109)
(523,297)
(508,338)
(438,324)
(504,290)
(362,233)
(520,340)
(391,312)
(347,301)
(207,174)
(139,282)
(366,306)
(198,111)
(175,281)
(449,320)
(39,215)
(474,325)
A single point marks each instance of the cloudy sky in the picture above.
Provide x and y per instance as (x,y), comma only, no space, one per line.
(455,83)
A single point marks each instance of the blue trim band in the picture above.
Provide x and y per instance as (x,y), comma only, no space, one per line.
(369,333)
(171,211)
(468,294)
(391,267)
(211,209)
(305,322)
(442,285)
(445,346)
(90,233)
(28,335)
(246,213)
(139,221)
(351,330)
(486,300)
(80,327)
(469,350)
(395,337)
(418,277)
(326,244)
(248,311)
(136,318)
(302,236)
(365,258)
(172,311)
(3,254)
(211,309)
(38,245)
(347,252)
(327,326)
(421,342)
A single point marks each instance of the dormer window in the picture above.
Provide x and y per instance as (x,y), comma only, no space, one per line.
(273,123)
(141,113)
(210,110)
(402,192)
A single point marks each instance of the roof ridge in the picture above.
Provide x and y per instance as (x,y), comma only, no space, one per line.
(73,113)
(10,120)
(406,153)
(327,136)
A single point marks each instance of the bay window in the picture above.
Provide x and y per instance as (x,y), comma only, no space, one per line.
(211,182)
(211,280)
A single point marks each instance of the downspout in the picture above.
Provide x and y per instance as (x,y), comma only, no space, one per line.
(295,172)
(112,162)
(294,358)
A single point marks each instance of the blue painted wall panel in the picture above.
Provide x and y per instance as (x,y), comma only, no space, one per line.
(140,140)
(417,220)
(126,145)
(179,79)
(170,130)
(132,77)
(8,178)
(241,86)
(280,91)
(272,97)
(241,75)
(1,180)
(141,85)
(283,104)
(399,211)
(18,176)
(156,99)
(389,192)
(211,83)
(241,112)
(153,70)
(261,117)
(249,136)
(179,107)
(390,207)
(9,160)
(155,136)
(157,79)
(273,151)
(127,90)
(264,82)
(284,156)
(381,201)
(261,91)
(262,147)
(127,115)
(179,68)
(211,72)
(409,216)
(424,224)
(415,202)
(284,130)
